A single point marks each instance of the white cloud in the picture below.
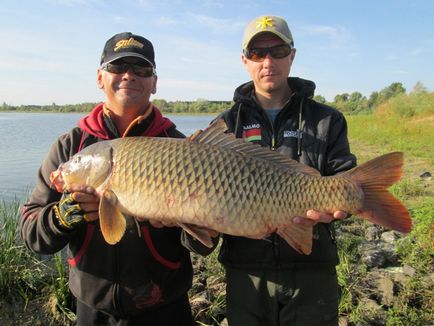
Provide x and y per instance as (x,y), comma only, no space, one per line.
(120,19)
(72,3)
(335,33)
(166,21)
(218,25)
(212,3)
(416,52)
(399,71)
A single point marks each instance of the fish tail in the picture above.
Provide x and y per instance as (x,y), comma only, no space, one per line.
(379,205)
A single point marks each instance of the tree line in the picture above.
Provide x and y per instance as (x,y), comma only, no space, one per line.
(354,103)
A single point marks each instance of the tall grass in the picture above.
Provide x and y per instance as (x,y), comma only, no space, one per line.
(412,136)
(25,276)
(404,123)
(21,273)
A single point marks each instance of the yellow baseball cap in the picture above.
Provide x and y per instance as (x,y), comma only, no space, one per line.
(267,24)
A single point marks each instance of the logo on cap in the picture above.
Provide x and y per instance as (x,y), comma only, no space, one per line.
(131,42)
(264,22)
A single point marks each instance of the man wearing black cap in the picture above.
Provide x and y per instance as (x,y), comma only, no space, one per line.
(144,279)
(268,282)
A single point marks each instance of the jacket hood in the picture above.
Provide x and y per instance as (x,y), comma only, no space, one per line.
(93,123)
(302,88)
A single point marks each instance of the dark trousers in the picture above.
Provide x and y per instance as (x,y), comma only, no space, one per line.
(295,297)
(177,313)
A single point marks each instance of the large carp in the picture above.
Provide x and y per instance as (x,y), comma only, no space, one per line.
(216,181)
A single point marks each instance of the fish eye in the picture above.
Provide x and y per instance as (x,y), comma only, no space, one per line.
(77,159)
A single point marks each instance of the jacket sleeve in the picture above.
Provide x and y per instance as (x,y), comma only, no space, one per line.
(38,225)
(338,155)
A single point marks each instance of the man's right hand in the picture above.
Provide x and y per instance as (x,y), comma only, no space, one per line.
(77,206)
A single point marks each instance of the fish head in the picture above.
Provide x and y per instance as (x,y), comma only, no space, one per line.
(90,167)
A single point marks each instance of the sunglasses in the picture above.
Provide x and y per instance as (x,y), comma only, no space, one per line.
(123,67)
(259,54)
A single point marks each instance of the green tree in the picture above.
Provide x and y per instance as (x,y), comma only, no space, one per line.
(419,88)
(320,99)
(392,90)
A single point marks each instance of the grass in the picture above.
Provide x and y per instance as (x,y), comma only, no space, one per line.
(370,136)
(21,273)
(25,275)
(411,136)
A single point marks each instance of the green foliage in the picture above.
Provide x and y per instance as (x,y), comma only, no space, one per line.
(419,104)
(21,273)
(356,103)
(25,275)
(61,302)
(83,107)
(414,305)
(417,248)
(320,99)
(191,107)
(388,133)
(353,103)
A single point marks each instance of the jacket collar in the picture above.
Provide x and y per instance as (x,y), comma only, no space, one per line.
(98,123)
(301,88)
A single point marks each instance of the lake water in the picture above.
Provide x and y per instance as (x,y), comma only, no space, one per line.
(27,138)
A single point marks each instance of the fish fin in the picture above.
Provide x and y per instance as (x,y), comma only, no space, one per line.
(299,238)
(379,205)
(111,219)
(198,233)
(194,135)
(215,135)
(56,180)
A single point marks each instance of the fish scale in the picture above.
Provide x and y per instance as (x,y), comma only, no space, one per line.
(219,182)
(204,185)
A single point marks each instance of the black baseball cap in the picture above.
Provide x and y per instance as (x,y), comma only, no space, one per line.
(128,45)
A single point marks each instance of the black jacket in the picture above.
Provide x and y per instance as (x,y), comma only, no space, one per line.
(307,131)
(148,268)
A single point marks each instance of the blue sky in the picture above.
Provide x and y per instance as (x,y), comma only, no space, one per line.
(50,49)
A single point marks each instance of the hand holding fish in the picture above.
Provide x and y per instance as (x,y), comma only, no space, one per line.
(78,205)
(88,199)
(313,217)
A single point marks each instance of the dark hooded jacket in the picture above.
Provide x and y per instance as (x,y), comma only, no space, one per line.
(148,268)
(306,131)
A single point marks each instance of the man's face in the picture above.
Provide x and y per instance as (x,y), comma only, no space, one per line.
(269,75)
(126,89)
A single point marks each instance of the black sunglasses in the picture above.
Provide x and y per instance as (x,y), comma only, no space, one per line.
(259,54)
(123,67)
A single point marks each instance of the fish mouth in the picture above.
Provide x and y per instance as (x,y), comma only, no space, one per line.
(56,180)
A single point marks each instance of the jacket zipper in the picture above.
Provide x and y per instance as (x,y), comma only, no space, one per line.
(273,135)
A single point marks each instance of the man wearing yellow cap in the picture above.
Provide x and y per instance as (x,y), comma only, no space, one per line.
(269,283)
